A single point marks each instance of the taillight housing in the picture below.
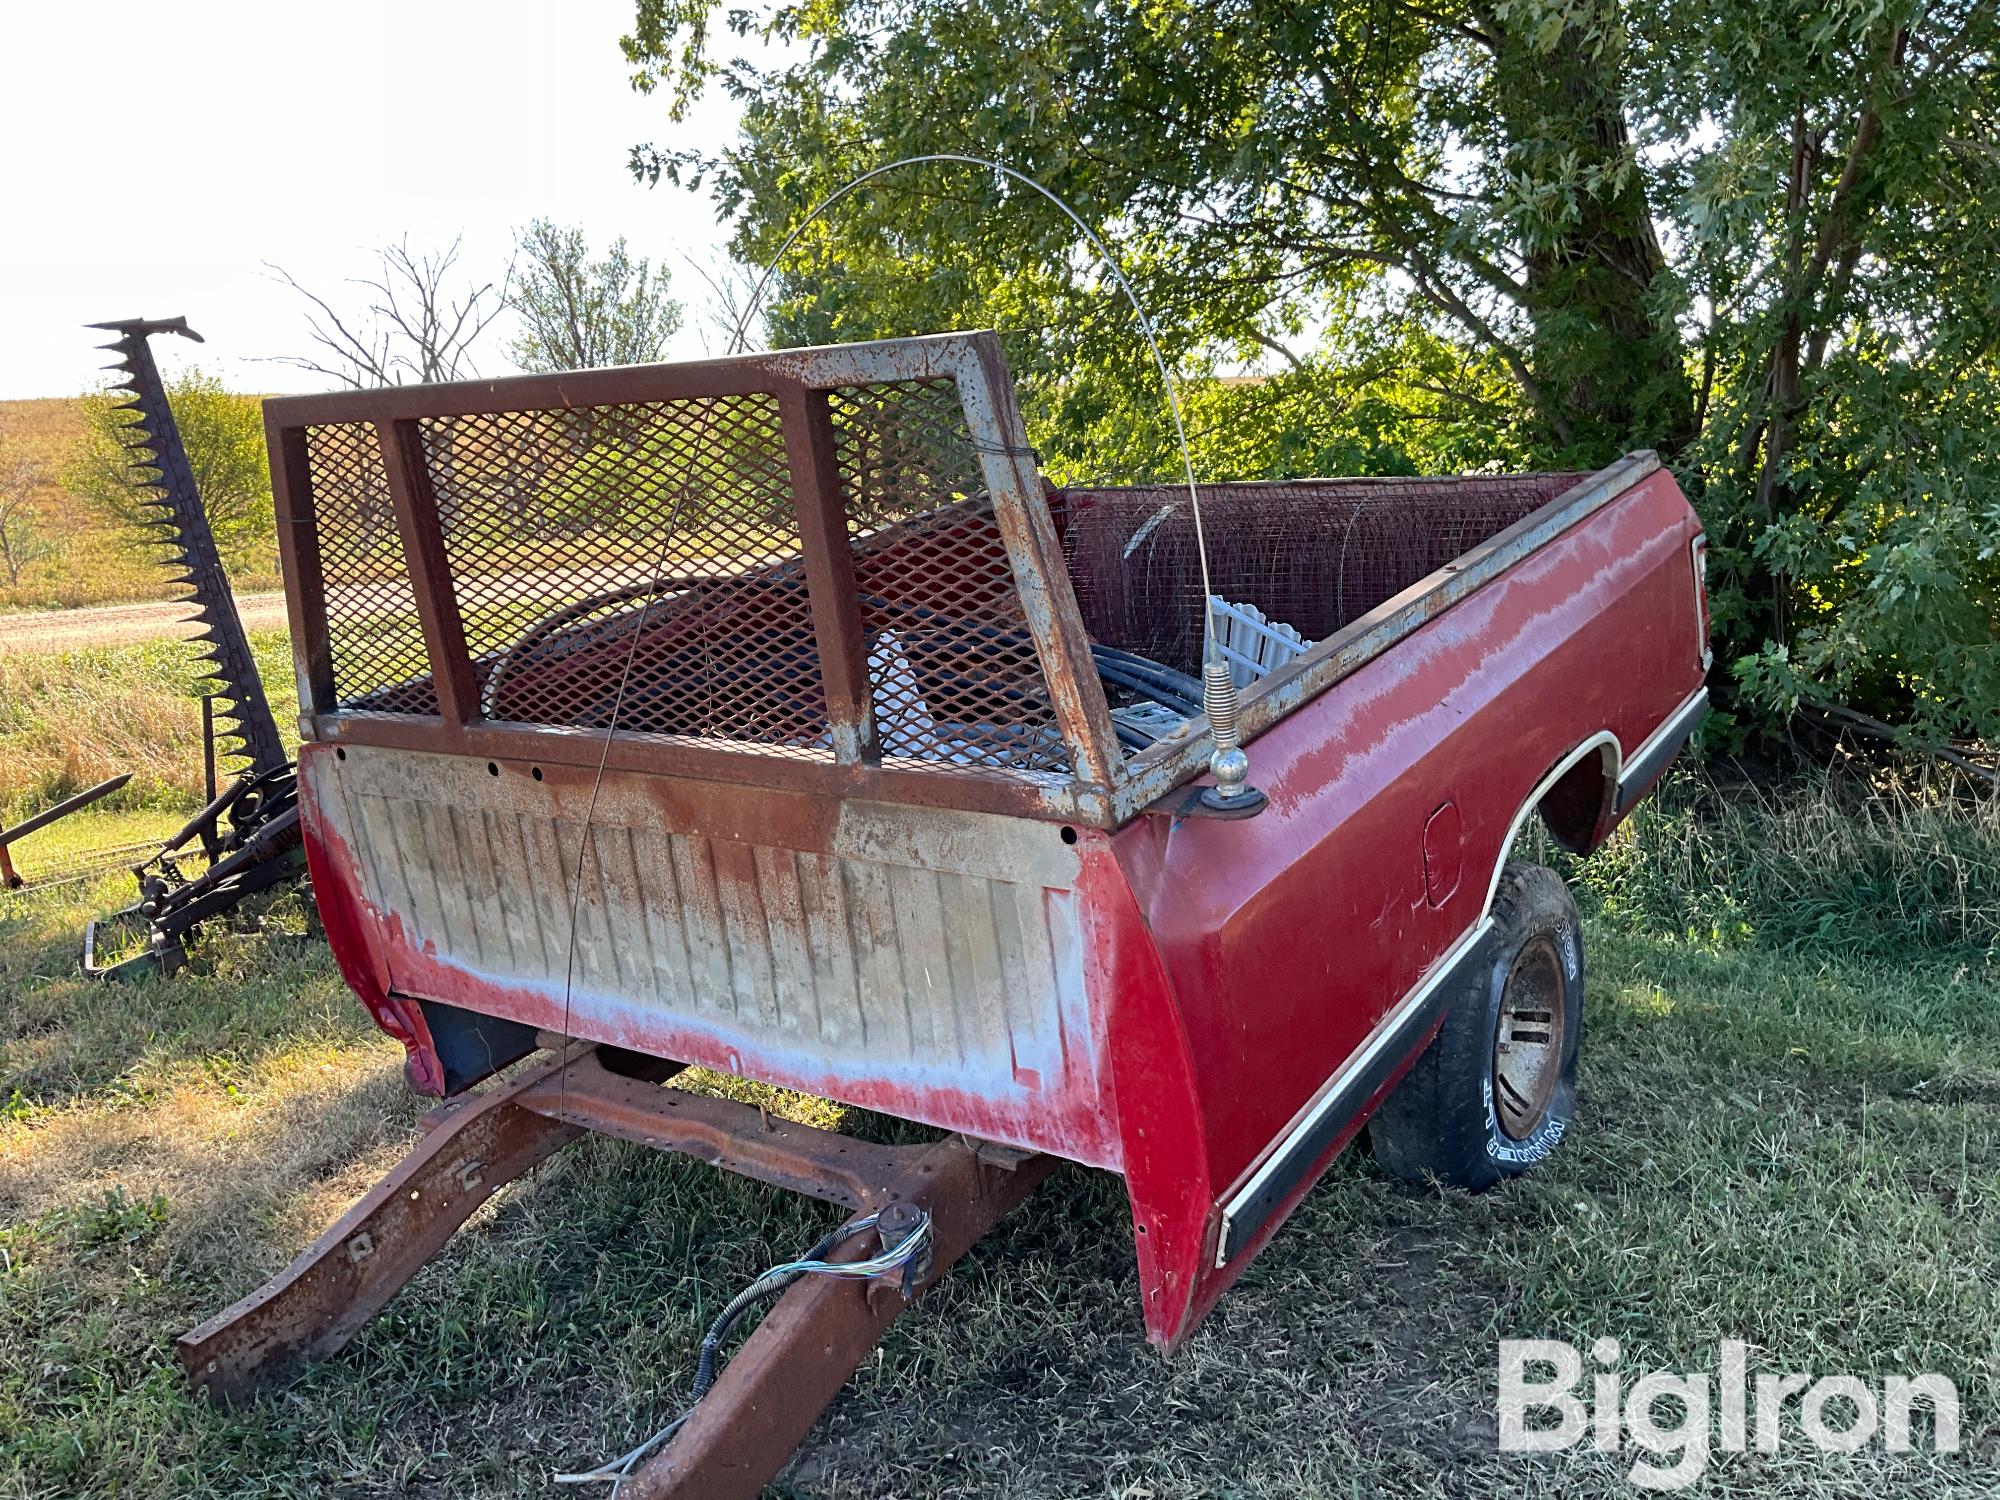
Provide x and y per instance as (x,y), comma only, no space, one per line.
(1698,555)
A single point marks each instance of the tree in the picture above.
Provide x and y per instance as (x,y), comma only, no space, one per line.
(20,545)
(420,320)
(223,434)
(1257,161)
(1757,236)
(577,313)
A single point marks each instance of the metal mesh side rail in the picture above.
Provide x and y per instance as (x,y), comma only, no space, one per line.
(1316,555)
(954,674)
(374,636)
(570,529)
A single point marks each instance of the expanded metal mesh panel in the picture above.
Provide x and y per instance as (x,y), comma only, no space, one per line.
(1315,555)
(952,668)
(373,633)
(570,532)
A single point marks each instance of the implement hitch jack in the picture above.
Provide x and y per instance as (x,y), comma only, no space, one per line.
(742,1432)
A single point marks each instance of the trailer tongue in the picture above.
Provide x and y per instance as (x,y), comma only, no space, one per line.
(896,810)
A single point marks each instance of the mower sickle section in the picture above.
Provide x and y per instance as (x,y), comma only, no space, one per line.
(262,846)
(160,464)
(742,1432)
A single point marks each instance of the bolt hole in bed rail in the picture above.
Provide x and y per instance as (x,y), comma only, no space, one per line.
(872,822)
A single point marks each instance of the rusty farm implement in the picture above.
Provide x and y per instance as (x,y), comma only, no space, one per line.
(246,836)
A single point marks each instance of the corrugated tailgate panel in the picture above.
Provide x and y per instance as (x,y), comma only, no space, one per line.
(920,944)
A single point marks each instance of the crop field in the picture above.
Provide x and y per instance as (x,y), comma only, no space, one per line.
(1789,1134)
(80,557)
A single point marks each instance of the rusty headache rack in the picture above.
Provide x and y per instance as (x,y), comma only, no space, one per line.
(863,575)
(466,566)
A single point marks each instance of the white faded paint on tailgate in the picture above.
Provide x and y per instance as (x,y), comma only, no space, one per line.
(920,943)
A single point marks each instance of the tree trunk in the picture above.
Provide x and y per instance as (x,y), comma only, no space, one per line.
(1604,347)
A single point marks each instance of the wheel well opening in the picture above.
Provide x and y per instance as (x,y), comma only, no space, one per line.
(1574,807)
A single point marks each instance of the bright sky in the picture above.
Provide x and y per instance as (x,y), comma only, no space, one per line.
(156,156)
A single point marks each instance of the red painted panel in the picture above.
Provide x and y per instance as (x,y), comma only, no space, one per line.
(1444,854)
(1285,938)
(1229,968)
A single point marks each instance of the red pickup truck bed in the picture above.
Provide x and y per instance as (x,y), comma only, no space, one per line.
(885,817)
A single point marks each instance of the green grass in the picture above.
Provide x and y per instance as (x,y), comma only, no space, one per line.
(69,720)
(1789,1133)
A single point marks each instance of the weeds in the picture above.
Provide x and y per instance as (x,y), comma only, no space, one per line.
(70,720)
(1828,863)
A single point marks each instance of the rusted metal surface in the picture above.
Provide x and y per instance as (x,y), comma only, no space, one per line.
(725,1133)
(302,566)
(923,960)
(319,1302)
(421,526)
(1314,554)
(745,1430)
(1021,508)
(836,614)
(772,1391)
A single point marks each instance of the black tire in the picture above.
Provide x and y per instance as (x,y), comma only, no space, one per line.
(1472,1112)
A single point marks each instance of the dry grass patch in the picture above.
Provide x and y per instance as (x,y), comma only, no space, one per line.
(272,1151)
(71,719)
(82,557)
(86,557)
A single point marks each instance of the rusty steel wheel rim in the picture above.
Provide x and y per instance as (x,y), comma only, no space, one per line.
(1528,1045)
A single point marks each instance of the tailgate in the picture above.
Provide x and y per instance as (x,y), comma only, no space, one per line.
(926,961)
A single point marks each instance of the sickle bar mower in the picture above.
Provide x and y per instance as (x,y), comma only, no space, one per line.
(248,832)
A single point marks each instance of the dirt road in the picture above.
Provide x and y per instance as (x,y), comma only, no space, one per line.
(377,600)
(119,624)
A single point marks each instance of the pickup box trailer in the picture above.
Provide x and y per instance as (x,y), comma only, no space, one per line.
(901,808)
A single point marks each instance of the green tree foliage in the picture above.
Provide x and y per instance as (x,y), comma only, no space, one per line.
(224,437)
(579,314)
(1757,236)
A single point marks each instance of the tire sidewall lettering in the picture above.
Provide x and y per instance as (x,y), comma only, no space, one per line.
(1506,1153)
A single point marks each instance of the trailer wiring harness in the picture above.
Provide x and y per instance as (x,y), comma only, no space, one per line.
(905,1258)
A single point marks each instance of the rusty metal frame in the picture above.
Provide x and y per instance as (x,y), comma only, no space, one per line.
(798,379)
(796,1361)
(9,880)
